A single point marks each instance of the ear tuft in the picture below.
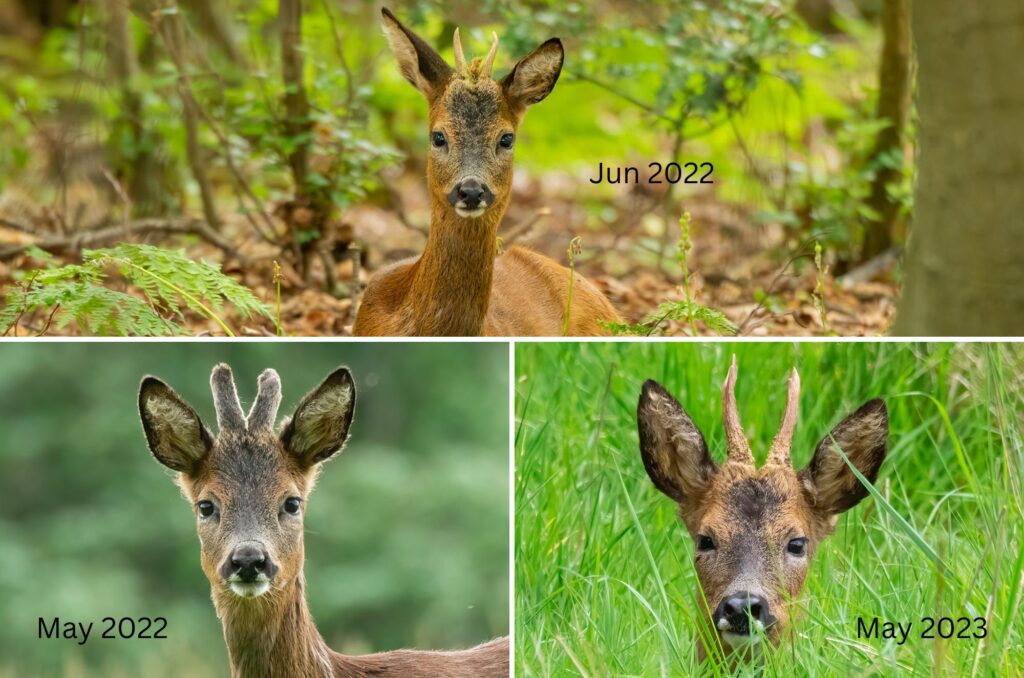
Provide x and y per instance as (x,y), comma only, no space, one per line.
(863,437)
(175,434)
(533,78)
(673,449)
(321,423)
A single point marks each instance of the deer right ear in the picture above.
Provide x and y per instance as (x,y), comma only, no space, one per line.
(418,62)
(319,428)
(863,437)
(174,432)
(673,449)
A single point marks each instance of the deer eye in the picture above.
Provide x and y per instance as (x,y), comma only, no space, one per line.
(438,140)
(797,547)
(292,504)
(205,508)
(506,140)
(705,543)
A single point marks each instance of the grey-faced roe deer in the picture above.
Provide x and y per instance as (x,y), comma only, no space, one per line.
(248,486)
(755,529)
(458,286)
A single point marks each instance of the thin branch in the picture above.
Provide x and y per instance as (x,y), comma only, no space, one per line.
(84,239)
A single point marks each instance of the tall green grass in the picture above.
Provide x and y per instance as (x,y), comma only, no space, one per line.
(604,577)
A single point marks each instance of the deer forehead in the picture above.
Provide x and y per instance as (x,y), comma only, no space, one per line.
(249,465)
(766,500)
(471,108)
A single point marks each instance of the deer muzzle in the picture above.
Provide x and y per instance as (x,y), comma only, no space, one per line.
(742,618)
(249,570)
(470,197)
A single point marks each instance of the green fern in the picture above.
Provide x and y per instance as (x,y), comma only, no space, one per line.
(169,281)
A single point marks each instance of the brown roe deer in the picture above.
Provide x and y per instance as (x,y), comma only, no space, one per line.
(249,487)
(755,529)
(458,286)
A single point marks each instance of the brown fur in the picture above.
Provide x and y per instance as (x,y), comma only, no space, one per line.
(751,514)
(458,286)
(248,472)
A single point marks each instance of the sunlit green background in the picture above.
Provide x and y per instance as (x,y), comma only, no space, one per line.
(406,535)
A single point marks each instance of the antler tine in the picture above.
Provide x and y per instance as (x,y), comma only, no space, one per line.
(460,56)
(263,413)
(779,451)
(225,399)
(736,443)
(488,64)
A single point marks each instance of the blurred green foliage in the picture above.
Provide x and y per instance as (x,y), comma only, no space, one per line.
(406,535)
(783,113)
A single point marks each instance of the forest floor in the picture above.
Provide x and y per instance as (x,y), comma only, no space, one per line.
(748,271)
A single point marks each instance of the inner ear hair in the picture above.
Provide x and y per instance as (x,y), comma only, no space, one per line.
(418,62)
(863,437)
(535,75)
(175,434)
(674,452)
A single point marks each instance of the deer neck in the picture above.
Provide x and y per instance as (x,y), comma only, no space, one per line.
(273,635)
(451,284)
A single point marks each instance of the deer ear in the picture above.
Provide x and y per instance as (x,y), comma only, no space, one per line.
(418,62)
(673,449)
(319,427)
(174,432)
(863,438)
(533,78)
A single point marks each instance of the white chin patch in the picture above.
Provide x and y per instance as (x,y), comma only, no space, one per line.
(736,640)
(470,214)
(250,590)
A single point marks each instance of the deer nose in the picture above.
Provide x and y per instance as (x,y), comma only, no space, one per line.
(248,561)
(738,611)
(470,194)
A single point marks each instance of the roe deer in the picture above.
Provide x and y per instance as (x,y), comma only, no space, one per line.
(248,487)
(458,286)
(756,529)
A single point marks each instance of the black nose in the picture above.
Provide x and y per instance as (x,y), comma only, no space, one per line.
(470,194)
(248,561)
(737,610)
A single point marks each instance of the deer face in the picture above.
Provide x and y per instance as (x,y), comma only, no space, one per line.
(248,486)
(755,529)
(473,118)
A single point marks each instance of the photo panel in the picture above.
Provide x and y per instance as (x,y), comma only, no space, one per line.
(402,544)
(748,508)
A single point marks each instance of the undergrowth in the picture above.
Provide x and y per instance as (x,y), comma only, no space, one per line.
(170,284)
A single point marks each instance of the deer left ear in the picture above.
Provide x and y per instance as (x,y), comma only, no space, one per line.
(863,437)
(319,428)
(420,64)
(533,78)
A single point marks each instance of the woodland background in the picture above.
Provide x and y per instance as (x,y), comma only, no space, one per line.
(274,141)
(406,534)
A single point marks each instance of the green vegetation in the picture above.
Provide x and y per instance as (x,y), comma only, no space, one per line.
(169,282)
(604,576)
(280,130)
(406,535)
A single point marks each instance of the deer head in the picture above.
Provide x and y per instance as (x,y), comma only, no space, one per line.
(248,485)
(755,529)
(473,118)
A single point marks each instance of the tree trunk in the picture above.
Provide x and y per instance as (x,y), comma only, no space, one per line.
(173,30)
(893,106)
(310,210)
(296,105)
(965,265)
(139,165)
